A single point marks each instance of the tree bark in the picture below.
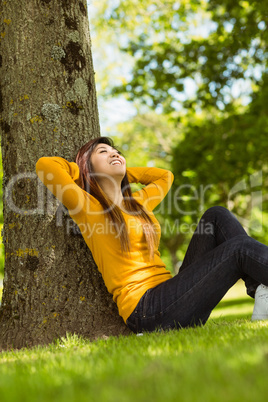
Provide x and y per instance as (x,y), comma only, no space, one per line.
(48,107)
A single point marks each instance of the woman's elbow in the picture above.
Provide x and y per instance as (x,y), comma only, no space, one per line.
(41,165)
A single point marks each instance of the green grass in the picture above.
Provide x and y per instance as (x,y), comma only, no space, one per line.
(226,360)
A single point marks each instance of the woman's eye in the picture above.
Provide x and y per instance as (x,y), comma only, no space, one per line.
(102,151)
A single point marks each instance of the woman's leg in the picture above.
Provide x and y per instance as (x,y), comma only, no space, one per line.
(209,270)
(216,226)
(188,298)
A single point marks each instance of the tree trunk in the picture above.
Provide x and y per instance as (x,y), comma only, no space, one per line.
(48,107)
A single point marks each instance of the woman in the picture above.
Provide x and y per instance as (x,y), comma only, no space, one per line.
(123,235)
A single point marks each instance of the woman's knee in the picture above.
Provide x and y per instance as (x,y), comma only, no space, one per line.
(216,211)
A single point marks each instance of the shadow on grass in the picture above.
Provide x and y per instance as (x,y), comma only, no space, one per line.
(230,318)
(234,302)
(233,309)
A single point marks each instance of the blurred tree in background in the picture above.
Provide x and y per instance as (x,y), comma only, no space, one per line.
(214,45)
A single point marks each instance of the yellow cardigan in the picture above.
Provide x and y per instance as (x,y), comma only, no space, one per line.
(126,276)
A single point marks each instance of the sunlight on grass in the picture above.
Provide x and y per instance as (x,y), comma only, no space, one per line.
(235,302)
(220,361)
(227,359)
(238,291)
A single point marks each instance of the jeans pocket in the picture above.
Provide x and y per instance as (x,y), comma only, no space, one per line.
(146,304)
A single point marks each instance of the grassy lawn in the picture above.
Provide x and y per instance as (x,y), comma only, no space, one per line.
(226,360)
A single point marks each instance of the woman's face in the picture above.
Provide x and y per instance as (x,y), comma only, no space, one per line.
(107,160)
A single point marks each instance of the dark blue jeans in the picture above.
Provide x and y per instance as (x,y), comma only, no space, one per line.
(220,252)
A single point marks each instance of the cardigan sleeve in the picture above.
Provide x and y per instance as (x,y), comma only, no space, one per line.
(157,184)
(59,176)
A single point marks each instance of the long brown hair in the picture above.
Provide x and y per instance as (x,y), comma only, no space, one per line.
(89,183)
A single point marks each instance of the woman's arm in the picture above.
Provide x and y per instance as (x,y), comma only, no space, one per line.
(157,181)
(59,176)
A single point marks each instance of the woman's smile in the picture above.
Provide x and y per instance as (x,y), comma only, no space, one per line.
(104,154)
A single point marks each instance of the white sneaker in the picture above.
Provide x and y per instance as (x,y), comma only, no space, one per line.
(260,311)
